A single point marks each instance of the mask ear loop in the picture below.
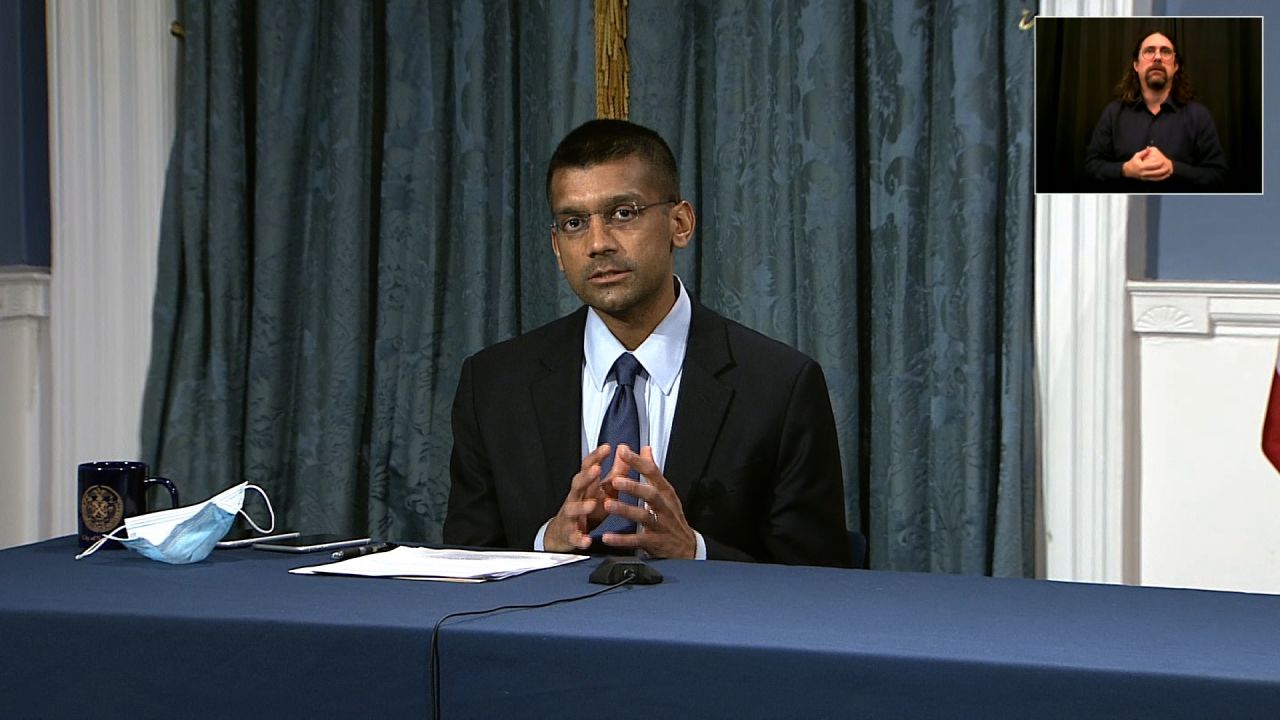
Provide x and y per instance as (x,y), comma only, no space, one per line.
(269,510)
(100,542)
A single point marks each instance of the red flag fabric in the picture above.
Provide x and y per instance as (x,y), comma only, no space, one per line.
(1271,425)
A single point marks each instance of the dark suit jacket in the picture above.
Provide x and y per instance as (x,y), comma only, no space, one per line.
(753,452)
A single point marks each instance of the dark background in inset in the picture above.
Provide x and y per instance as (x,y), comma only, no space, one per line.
(1079,61)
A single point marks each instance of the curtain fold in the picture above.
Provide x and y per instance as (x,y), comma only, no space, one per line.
(862,177)
(951,241)
(356,203)
(313,201)
(758,102)
(477,96)
(194,405)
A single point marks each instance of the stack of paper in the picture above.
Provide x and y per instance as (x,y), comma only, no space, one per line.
(417,563)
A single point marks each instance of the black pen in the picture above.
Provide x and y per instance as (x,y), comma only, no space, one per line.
(361,551)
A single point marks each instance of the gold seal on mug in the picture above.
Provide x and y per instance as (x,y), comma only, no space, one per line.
(109,492)
(101,509)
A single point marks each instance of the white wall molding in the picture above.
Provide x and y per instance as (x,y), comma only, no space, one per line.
(1207,354)
(1202,308)
(24,294)
(112,109)
(1094,8)
(1151,402)
(1084,360)
(1082,341)
(24,401)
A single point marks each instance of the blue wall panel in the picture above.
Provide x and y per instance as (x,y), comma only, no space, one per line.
(24,135)
(1222,237)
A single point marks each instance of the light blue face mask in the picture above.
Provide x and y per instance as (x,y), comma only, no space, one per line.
(186,534)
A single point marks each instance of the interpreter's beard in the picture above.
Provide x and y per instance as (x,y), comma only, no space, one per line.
(1157,78)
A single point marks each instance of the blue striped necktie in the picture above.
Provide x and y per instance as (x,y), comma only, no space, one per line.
(621,426)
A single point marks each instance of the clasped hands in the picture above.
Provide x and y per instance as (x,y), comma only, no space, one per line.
(1148,164)
(663,531)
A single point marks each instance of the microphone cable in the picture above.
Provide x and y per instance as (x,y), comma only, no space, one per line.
(435,631)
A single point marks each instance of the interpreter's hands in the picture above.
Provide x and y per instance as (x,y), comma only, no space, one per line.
(1148,164)
(664,534)
(582,510)
(1163,166)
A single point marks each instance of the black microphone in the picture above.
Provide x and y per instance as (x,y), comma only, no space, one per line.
(615,570)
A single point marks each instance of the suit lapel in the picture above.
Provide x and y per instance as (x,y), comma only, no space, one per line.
(700,410)
(703,401)
(557,401)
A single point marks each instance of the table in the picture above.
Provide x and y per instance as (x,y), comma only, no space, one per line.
(237,635)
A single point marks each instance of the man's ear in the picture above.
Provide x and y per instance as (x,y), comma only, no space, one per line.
(683,221)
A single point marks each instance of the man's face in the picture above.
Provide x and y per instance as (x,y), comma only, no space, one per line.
(623,271)
(1156,63)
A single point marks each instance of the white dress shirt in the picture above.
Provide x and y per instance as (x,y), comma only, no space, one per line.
(656,389)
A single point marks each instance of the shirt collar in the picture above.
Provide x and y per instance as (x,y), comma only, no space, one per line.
(1169,104)
(661,354)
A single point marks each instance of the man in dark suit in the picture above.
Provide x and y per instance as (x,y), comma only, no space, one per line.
(738,454)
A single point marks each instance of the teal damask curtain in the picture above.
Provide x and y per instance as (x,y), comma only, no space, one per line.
(355,203)
(862,172)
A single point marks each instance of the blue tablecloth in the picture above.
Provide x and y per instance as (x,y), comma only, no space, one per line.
(236,635)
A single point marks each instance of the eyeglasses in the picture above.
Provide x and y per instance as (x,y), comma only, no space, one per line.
(618,216)
(1150,52)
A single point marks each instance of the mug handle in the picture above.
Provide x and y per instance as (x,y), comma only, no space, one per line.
(168,485)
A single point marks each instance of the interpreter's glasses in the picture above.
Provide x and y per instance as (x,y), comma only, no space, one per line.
(618,216)
(1150,52)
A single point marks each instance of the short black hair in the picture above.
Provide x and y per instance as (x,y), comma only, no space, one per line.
(599,141)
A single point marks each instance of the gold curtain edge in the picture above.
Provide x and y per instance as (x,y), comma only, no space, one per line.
(613,67)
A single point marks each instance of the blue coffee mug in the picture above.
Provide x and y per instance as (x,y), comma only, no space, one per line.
(112,491)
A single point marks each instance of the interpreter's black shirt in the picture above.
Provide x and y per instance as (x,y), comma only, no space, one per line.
(1184,133)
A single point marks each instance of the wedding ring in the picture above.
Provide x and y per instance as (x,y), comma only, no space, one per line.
(653,517)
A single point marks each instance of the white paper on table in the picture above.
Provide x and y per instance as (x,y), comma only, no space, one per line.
(418,563)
